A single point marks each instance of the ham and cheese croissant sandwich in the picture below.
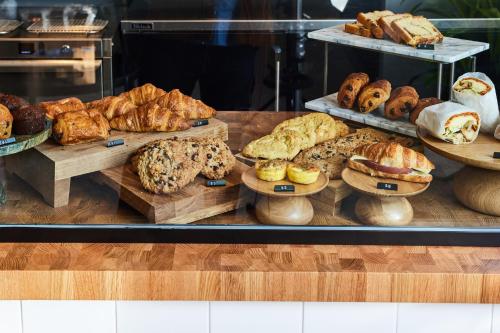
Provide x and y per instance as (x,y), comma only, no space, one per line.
(451,122)
(391,160)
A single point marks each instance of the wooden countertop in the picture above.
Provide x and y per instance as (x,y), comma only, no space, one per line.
(238,272)
(249,272)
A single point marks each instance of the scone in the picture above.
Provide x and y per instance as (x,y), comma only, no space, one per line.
(169,165)
(271,170)
(306,173)
(5,122)
(373,95)
(28,119)
(219,159)
(350,89)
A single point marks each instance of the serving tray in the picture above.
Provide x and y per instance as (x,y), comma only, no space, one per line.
(328,104)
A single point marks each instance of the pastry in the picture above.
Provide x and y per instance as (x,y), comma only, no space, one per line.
(28,119)
(169,165)
(386,21)
(391,160)
(5,122)
(12,102)
(416,30)
(53,108)
(330,156)
(422,104)
(181,105)
(219,159)
(291,136)
(305,173)
(373,95)
(142,94)
(451,122)
(112,106)
(402,101)
(357,28)
(144,120)
(271,170)
(80,127)
(369,20)
(350,89)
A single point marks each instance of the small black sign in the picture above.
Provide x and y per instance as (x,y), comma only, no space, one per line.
(142,26)
(425,46)
(387,186)
(116,142)
(7,141)
(284,188)
(213,183)
(496,154)
(201,122)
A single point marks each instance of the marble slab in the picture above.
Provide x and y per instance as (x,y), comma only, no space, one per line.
(450,50)
(328,104)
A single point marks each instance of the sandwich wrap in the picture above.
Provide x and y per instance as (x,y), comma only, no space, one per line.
(451,122)
(486,105)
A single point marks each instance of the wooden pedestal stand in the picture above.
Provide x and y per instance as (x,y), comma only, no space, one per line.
(283,208)
(382,207)
(477,186)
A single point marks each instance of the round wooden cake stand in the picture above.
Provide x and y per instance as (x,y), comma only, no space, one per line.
(283,208)
(382,207)
(477,186)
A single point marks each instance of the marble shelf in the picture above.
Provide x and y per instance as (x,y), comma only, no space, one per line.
(449,51)
(328,104)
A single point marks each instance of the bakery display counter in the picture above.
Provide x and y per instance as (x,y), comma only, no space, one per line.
(96,213)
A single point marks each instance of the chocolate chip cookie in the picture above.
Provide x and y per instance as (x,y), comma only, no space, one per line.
(220,160)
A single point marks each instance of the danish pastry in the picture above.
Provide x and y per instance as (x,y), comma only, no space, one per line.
(402,101)
(350,89)
(373,95)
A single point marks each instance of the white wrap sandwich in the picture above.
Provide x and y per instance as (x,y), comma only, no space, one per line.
(476,91)
(451,122)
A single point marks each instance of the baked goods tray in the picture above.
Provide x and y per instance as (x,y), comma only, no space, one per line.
(449,51)
(328,104)
(7,26)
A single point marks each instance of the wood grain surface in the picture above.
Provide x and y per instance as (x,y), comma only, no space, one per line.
(478,153)
(249,273)
(194,202)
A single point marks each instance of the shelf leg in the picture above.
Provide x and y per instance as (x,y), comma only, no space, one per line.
(440,80)
(325,72)
(452,78)
(473,63)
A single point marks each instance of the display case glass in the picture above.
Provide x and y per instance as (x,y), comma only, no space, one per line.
(251,121)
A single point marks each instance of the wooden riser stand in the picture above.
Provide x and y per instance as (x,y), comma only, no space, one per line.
(49,167)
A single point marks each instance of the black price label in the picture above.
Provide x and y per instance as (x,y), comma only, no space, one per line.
(201,122)
(284,188)
(4,142)
(496,154)
(387,186)
(425,46)
(116,142)
(213,183)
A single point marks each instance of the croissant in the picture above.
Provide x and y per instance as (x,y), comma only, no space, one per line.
(182,105)
(80,126)
(143,94)
(53,108)
(150,120)
(112,106)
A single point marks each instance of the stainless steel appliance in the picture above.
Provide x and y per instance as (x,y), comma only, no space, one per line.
(50,66)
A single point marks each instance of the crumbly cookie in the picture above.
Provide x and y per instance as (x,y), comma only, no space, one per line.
(219,159)
(166,166)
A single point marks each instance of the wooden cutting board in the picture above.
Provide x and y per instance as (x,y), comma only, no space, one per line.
(194,202)
(56,164)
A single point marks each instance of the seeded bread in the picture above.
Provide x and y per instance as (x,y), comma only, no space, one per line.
(369,20)
(386,21)
(416,30)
